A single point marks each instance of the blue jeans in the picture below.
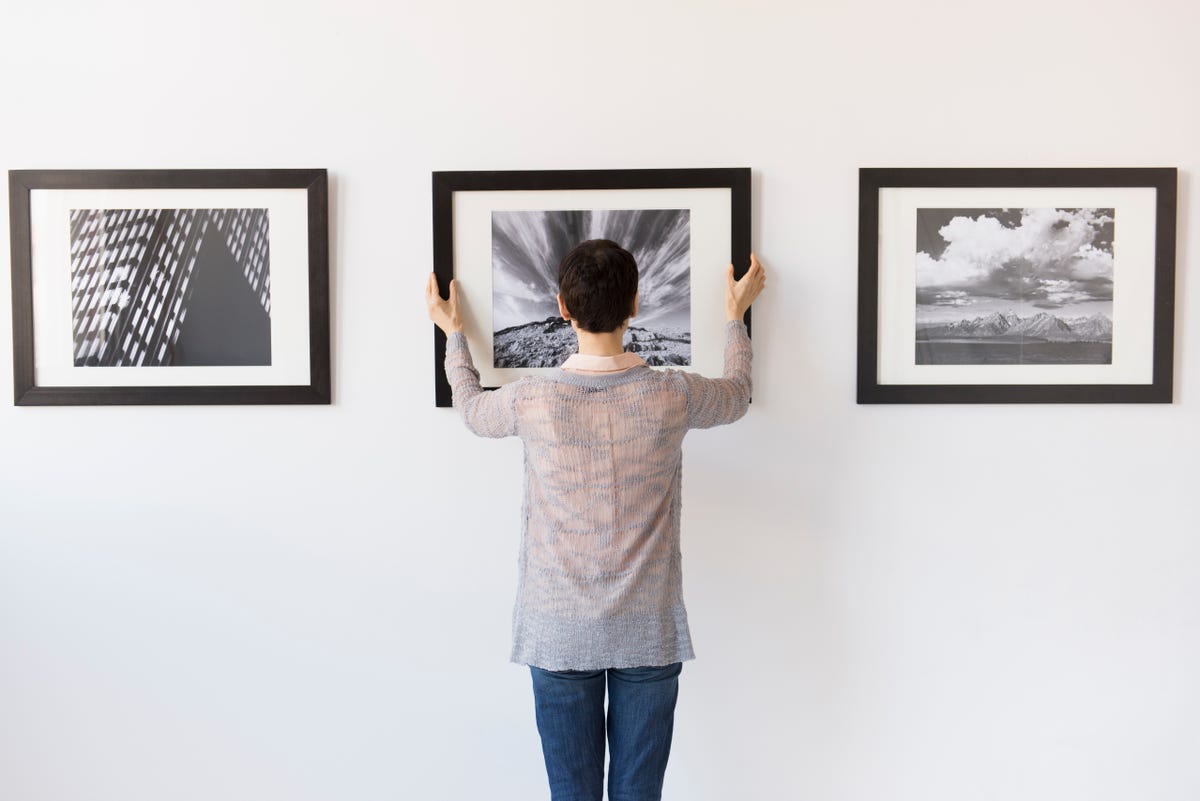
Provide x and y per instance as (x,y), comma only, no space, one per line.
(571,721)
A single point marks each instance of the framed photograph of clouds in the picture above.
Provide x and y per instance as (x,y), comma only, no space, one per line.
(169,286)
(1016,285)
(503,234)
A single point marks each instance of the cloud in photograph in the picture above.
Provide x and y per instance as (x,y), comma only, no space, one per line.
(1044,257)
(527,247)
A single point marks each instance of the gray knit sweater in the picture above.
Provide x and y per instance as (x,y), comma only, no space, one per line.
(600,581)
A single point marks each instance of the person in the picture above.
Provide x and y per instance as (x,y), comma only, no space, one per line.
(599,599)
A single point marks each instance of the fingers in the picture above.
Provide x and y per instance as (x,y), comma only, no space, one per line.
(754,280)
(433,292)
(756,272)
(756,267)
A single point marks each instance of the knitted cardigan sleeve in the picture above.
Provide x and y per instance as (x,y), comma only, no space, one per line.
(717,401)
(488,413)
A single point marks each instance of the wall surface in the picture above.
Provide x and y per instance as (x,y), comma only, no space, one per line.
(906,603)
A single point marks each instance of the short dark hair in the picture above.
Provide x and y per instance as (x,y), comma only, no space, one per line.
(598,280)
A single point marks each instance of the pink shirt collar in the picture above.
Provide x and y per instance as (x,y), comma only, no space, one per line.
(586,363)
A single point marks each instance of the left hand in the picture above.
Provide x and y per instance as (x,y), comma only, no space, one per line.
(741,293)
(444,313)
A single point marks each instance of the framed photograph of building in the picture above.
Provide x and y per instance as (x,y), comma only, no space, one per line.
(1016,285)
(169,286)
(503,234)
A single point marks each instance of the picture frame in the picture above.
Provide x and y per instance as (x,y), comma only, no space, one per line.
(1039,285)
(502,234)
(170,286)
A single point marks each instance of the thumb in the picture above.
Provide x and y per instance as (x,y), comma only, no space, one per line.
(453,292)
(729,276)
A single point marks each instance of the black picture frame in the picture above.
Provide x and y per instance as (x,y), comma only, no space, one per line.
(870,390)
(314,182)
(447,183)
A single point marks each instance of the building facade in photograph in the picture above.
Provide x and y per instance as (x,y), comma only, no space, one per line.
(154,287)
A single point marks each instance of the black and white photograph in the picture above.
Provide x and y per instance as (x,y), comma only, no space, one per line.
(181,287)
(1014,286)
(527,247)
(501,235)
(162,287)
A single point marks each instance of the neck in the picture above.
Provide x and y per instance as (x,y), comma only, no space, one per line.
(607,344)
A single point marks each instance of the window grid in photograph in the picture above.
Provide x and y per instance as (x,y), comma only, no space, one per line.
(132,277)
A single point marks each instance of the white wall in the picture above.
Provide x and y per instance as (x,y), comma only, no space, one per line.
(925,603)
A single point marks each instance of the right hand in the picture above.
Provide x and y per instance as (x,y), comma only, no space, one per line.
(444,313)
(740,294)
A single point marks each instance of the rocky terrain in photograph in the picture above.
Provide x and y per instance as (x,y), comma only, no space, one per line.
(660,347)
(549,342)
(1009,327)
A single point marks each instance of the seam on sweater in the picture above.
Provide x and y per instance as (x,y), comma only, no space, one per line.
(687,392)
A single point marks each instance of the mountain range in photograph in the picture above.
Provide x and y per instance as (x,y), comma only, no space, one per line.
(1008,338)
(1008,326)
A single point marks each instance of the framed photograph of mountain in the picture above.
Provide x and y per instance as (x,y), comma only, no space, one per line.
(1016,285)
(503,234)
(169,286)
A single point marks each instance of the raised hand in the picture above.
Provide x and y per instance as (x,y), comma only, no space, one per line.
(444,313)
(740,294)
